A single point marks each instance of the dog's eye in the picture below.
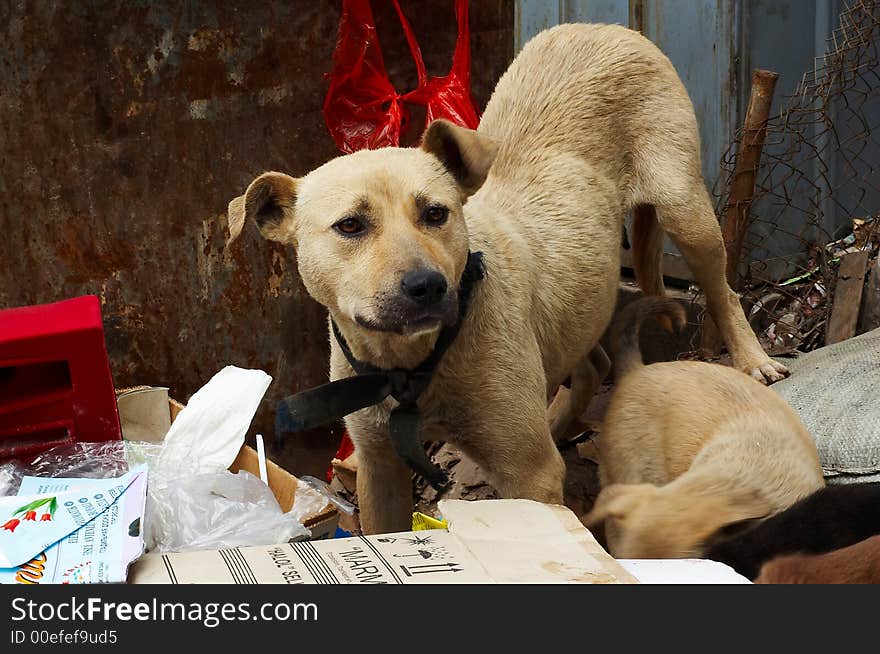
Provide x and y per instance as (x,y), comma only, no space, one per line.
(436,215)
(349,226)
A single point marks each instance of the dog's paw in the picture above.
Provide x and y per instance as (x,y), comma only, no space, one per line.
(768,372)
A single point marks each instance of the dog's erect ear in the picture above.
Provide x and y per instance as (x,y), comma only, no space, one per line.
(465,153)
(269,201)
(618,501)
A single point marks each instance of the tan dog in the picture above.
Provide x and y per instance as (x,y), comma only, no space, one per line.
(588,122)
(688,448)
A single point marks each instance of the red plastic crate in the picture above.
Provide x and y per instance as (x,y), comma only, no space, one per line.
(55,381)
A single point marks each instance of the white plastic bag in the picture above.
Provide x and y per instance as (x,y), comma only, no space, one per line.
(220,510)
(193,501)
(208,433)
(307,502)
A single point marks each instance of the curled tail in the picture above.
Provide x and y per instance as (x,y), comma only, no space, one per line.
(624,335)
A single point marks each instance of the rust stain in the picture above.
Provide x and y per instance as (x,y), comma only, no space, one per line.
(127,126)
(276,275)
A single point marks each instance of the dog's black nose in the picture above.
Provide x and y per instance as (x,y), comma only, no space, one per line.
(425,287)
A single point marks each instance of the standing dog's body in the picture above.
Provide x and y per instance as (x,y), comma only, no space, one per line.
(588,122)
(690,448)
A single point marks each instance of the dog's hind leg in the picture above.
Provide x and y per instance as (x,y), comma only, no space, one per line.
(691,223)
(570,404)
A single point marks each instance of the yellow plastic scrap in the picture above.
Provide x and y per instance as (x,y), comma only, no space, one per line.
(422,522)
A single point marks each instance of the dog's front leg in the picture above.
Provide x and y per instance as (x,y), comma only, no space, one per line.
(384,487)
(510,439)
(534,471)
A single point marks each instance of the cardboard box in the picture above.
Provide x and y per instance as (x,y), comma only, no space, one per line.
(143,420)
(489,541)
(283,484)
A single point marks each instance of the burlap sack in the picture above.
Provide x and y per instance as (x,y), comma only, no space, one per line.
(836,391)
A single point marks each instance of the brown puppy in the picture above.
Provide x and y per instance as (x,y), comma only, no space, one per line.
(856,564)
(688,448)
(588,122)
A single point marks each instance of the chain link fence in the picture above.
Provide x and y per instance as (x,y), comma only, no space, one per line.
(817,187)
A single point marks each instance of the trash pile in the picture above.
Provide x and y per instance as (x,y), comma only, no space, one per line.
(79,504)
(109,502)
(796,313)
(194,500)
(63,529)
(790,315)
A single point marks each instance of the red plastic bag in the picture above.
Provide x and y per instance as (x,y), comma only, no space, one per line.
(446,97)
(363,109)
(346,449)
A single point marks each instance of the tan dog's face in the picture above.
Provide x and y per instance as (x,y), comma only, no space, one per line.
(654,523)
(380,235)
(381,239)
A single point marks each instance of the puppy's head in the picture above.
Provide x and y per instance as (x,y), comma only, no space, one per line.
(380,235)
(653,522)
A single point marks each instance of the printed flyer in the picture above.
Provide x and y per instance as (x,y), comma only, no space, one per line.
(72,531)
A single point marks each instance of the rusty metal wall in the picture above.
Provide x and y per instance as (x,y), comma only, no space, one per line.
(126,127)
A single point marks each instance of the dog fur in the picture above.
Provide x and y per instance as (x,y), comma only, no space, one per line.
(688,447)
(588,122)
(856,564)
(832,518)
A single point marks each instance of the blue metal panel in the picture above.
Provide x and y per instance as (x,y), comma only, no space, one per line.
(781,38)
(597,11)
(787,36)
(533,16)
(700,37)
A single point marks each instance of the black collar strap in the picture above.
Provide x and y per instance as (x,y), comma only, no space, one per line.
(371,385)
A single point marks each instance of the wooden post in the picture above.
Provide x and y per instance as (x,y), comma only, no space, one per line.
(742,186)
(847,297)
(869,318)
(637,15)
